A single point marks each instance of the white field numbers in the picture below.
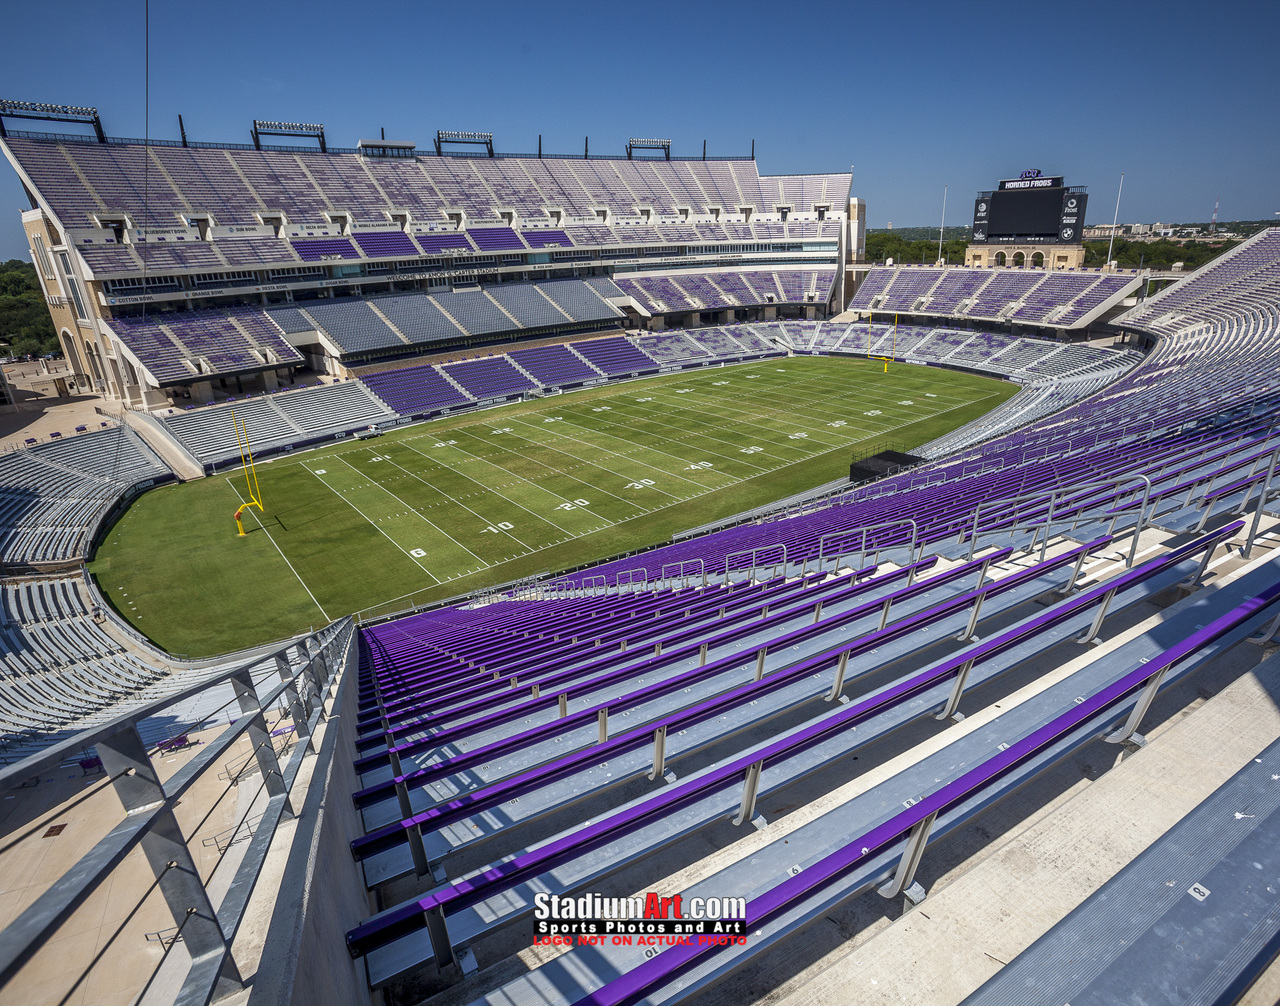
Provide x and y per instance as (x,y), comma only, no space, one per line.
(573,505)
(498,528)
(641,484)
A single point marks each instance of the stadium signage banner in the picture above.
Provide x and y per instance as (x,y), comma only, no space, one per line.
(140,234)
(1071,224)
(1037,182)
(981,218)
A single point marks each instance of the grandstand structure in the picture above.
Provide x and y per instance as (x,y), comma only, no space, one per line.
(800,710)
(1065,300)
(181,273)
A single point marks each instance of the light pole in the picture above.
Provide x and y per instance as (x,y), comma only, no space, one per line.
(943,227)
(1115,220)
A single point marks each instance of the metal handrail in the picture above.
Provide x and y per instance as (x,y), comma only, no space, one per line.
(862,550)
(148,807)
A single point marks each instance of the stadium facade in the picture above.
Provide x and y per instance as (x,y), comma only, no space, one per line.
(161,262)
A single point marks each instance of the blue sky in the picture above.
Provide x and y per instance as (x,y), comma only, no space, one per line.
(1183,98)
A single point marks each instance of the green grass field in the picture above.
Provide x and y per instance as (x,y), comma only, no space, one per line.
(450,507)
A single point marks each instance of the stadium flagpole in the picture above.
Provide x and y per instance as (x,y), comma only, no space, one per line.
(1114,221)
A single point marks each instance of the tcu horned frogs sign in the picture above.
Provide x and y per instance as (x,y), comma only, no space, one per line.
(1033,208)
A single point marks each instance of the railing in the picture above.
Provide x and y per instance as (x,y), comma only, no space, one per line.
(778,552)
(307,671)
(845,537)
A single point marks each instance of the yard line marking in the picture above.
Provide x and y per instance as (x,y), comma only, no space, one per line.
(637,460)
(757,419)
(455,500)
(698,433)
(492,464)
(281,551)
(601,447)
(581,461)
(374,525)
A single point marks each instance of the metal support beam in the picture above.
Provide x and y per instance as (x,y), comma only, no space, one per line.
(659,752)
(296,709)
(903,881)
(1092,635)
(749,789)
(1129,732)
(260,736)
(562,701)
(949,711)
(1075,574)
(837,686)
(438,931)
(760,655)
(1194,579)
(1262,502)
(126,762)
(967,635)
(602,723)
(1268,634)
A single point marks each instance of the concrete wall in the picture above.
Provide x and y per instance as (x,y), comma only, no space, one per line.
(1051,256)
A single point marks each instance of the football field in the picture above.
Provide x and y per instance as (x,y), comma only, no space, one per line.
(448,507)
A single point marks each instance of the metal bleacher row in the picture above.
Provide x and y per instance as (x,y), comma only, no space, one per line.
(67,665)
(285,418)
(53,495)
(562,737)
(1030,296)
(714,291)
(234,184)
(58,662)
(182,345)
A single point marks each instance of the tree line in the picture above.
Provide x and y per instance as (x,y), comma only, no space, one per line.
(25,325)
(1160,255)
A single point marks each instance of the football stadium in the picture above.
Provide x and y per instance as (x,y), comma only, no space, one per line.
(590,576)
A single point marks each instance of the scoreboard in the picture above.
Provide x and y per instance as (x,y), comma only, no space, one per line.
(1032,209)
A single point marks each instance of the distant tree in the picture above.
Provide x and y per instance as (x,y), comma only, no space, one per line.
(25,325)
(1159,255)
(883,245)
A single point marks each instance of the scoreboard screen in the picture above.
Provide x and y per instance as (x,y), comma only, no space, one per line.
(1031,213)
(1030,210)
